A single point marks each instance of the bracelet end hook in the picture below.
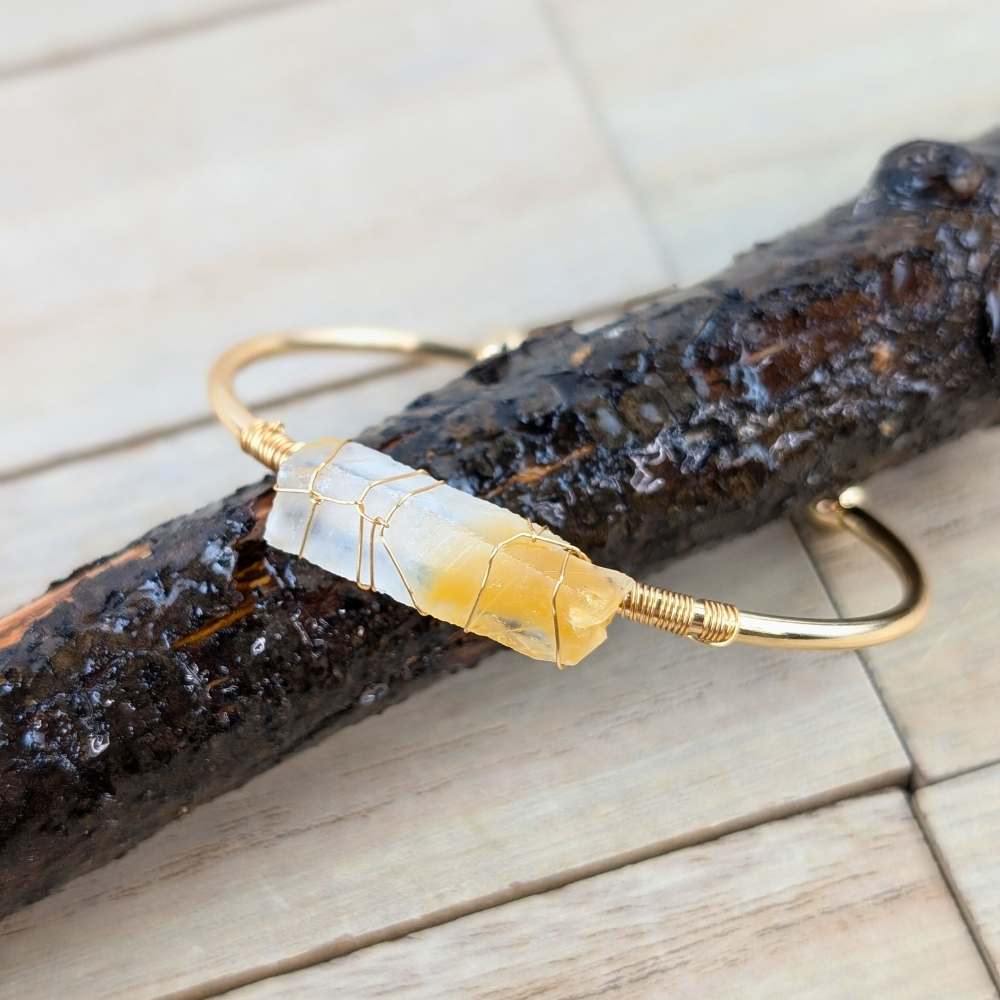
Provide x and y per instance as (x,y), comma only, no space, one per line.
(829,512)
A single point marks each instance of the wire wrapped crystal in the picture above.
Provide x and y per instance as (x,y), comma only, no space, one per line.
(397,530)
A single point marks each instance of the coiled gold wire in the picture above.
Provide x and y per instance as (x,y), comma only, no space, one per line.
(719,625)
(663,609)
(678,613)
(267,442)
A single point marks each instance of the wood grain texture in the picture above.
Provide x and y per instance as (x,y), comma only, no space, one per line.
(845,902)
(962,817)
(428,165)
(497,782)
(739,121)
(942,683)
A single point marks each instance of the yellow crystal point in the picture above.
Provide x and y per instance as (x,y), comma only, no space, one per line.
(362,515)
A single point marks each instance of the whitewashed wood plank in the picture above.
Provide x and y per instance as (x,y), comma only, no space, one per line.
(941,684)
(962,818)
(428,165)
(491,784)
(738,121)
(845,902)
(46,33)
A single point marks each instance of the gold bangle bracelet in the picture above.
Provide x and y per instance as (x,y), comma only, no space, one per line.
(710,622)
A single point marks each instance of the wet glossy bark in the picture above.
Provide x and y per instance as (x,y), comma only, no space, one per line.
(177,669)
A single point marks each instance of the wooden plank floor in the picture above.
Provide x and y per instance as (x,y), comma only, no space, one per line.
(378,161)
(738,121)
(181,174)
(962,817)
(846,902)
(942,684)
(55,33)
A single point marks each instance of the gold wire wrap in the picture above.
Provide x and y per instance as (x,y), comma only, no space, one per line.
(533,534)
(378,524)
(720,623)
(710,622)
(665,609)
(706,621)
(268,442)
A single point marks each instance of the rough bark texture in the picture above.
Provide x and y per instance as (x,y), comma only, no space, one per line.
(177,669)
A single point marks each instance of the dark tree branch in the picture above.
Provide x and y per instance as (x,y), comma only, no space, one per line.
(177,669)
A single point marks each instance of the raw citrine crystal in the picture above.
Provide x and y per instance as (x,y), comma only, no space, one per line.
(364,516)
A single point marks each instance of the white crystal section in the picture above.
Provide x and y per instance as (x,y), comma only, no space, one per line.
(366,517)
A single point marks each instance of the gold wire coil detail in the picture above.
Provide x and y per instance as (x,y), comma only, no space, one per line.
(665,609)
(267,442)
(710,622)
(719,625)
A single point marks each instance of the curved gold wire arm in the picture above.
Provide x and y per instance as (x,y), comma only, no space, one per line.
(266,440)
(719,624)
(706,621)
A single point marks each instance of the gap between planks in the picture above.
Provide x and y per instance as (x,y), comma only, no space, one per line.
(588,98)
(342,947)
(946,865)
(73,55)
(940,684)
(446,178)
(158,434)
(584,319)
(769,895)
(815,562)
